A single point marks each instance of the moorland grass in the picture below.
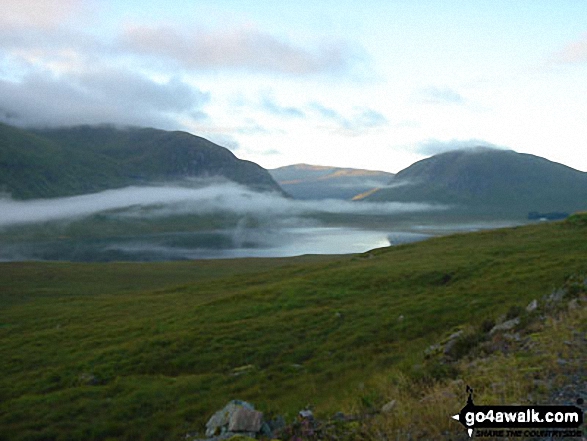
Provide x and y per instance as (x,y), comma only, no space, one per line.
(150,351)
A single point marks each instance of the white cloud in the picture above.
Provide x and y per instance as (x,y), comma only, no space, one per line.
(436,95)
(34,13)
(102,96)
(573,53)
(243,48)
(434,146)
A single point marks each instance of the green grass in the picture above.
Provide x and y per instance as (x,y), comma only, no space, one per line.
(150,351)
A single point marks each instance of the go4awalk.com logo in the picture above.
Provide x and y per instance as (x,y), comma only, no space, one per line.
(518,421)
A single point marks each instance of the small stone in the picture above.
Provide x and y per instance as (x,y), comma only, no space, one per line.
(456,335)
(387,408)
(306,414)
(88,379)
(433,349)
(532,306)
(505,326)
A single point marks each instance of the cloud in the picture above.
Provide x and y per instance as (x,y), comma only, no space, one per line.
(434,146)
(326,112)
(223,140)
(269,105)
(39,14)
(573,53)
(361,121)
(368,118)
(225,197)
(98,96)
(246,48)
(435,95)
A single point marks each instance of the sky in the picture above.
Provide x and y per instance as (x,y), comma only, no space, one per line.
(372,84)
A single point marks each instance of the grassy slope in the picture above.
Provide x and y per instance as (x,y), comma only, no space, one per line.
(78,160)
(490,181)
(146,155)
(32,167)
(149,351)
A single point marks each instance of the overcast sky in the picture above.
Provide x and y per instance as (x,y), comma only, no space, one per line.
(371,84)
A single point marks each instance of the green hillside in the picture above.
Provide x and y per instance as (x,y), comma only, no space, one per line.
(32,166)
(150,351)
(488,181)
(77,160)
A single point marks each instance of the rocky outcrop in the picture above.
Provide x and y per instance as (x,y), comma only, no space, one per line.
(236,418)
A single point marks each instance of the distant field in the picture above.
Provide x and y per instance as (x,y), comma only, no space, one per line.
(149,351)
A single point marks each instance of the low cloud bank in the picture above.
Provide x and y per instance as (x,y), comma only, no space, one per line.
(177,200)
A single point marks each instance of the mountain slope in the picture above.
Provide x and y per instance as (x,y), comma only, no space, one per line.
(305,181)
(67,161)
(32,167)
(490,181)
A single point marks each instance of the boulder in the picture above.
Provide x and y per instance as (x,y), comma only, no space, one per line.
(236,417)
(245,420)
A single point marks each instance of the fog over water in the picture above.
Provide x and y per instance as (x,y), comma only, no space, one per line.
(265,225)
(173,200)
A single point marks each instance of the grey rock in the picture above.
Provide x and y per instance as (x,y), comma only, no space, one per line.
(277,423)
(505,326)
(218,424)
(245,420)
(532,306)
(306,414)
(557,295)
(456,335)
(452,341)
(433,349)
(450,346)
(513,337)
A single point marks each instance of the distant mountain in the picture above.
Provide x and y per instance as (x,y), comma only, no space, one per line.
(77,160)
(304,181)
(489,181)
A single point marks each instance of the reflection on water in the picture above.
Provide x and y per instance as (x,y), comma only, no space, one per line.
(229,243)
(219,244)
